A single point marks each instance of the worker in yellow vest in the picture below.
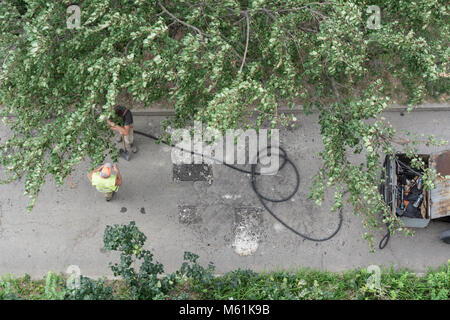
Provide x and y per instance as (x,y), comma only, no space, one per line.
(106,179)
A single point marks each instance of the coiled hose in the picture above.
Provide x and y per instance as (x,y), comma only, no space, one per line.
(261,197)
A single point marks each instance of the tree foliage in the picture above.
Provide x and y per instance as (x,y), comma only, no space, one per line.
(228,63)
(149,282)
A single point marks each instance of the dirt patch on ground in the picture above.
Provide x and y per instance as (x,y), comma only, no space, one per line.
(247,230)
(188,215)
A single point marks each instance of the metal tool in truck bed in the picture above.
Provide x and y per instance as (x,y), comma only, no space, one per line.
(403,191)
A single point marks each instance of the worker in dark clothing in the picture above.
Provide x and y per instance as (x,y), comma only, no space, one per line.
(126,131)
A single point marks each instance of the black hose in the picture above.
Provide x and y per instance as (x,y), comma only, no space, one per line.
(262,198)
(384,241)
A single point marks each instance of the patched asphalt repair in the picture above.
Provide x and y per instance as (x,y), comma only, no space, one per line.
(212,212)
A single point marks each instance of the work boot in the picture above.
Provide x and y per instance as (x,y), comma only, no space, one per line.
(124,154)
(134,148)
(108,195)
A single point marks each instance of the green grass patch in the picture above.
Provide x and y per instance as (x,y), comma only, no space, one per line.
(304,284)
(193,281)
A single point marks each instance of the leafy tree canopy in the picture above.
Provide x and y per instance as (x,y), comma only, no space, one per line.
(225,63)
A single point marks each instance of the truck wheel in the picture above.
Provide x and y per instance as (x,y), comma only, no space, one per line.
(445,236)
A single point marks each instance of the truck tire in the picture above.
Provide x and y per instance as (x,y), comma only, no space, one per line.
(445,236)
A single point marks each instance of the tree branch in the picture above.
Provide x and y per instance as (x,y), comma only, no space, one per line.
(304,7)
(333,84)
(246,41)
(12,48)
(182,22)
(195,28)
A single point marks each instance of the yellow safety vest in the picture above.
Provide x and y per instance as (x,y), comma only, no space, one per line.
(104,184)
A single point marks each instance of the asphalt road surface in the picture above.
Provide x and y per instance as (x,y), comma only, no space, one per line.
(223,222)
